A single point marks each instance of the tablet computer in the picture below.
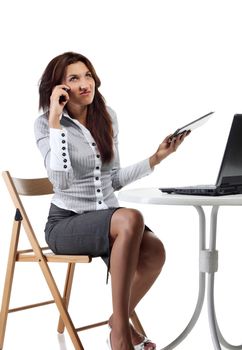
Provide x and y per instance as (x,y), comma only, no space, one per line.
(193,125)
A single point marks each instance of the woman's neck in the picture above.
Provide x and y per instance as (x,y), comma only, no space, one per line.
(78,113)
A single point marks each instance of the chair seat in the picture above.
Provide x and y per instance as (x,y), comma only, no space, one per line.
(51,257)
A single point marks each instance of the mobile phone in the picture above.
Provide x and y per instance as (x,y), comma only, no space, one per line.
(62,97)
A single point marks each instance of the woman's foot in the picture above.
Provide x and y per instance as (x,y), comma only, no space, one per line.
(138,339)
(119,342)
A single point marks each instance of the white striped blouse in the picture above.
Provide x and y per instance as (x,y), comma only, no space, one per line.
(80,180)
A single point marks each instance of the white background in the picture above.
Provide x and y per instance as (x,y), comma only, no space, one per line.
(162,64)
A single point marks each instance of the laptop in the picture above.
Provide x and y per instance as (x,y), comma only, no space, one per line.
(229,180)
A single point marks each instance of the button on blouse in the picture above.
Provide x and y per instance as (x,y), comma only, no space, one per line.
(59,160)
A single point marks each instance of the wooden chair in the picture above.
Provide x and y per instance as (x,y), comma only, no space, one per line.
(43,256)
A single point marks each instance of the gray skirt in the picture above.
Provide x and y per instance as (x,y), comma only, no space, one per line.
(67,232)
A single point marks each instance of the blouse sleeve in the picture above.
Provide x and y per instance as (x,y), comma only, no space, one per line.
(53,146)
(124,176)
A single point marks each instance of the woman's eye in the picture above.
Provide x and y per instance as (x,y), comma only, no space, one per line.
(73,78)
(89,74)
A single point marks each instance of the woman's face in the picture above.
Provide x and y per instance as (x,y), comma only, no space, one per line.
(81,83)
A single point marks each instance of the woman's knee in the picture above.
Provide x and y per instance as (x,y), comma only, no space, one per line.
(127,221)
(133,219)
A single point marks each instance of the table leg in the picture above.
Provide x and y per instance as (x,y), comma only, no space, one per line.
(201,293)
(214,328)
(212,266)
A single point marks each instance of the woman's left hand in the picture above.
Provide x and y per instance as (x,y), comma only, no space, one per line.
(168,146)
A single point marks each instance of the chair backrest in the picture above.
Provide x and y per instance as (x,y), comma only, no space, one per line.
(26,187)
(33,187)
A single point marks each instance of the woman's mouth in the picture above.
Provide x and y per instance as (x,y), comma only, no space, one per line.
(85,93)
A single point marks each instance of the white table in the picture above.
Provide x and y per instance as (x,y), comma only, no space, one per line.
(208,257)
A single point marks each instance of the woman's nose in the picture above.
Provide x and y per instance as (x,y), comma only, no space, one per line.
(83,85)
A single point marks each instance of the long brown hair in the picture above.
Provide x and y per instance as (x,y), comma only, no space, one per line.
(98,119)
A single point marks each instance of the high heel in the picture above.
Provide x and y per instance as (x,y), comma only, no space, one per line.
(142,345)
(139,346)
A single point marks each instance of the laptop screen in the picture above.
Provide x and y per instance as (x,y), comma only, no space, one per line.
(231,166)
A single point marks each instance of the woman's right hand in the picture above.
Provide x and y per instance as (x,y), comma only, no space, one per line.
(58,100)
(168,146)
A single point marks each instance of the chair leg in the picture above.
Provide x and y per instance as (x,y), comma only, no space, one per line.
(67,293)
(60,305)
(9,278)
(136,323)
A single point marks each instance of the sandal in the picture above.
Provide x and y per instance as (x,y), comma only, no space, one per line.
(141,346)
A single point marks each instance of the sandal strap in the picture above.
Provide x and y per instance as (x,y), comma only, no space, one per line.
(141,346)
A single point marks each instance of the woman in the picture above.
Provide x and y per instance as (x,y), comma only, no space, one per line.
(78,138)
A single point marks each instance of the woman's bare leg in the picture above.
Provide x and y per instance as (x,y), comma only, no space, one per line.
(150,261)
(126,232)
